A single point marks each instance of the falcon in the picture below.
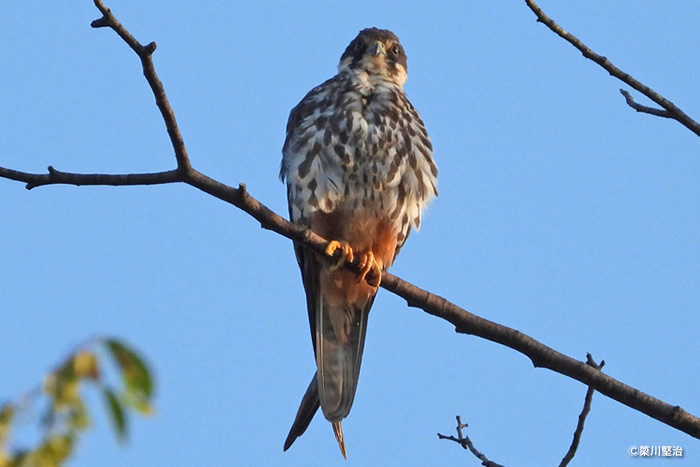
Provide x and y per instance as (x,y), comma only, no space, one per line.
(359,170)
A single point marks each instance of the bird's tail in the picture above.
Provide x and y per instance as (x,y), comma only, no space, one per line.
(340,336)
(338,307)
(338,431)
(307,410)
(342,310)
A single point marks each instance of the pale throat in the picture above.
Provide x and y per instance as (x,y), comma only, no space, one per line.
(373,74)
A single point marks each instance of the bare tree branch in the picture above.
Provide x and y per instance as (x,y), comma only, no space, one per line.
(582,416)
(145,54)
(669,109)
(464,322)
(466,443)
(56,177)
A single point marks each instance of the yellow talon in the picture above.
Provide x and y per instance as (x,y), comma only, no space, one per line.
(346,253)
(370,270)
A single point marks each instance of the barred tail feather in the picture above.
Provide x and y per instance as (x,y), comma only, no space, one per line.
(341,325)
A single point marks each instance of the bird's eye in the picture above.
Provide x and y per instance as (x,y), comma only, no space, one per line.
(359,45)
(395,49)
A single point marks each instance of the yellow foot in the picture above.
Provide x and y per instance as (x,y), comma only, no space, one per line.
(346,255)
(370,270)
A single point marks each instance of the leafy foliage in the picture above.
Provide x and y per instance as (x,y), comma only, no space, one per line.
(61,396)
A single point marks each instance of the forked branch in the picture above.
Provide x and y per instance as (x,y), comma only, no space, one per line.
(467,444)
(668,109)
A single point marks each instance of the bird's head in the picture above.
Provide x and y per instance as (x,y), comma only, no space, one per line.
(376,52)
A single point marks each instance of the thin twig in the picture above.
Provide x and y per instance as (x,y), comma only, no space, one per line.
(464,322)
(670,110)
(145,54)
(643,108)
(582,416)
(467,444)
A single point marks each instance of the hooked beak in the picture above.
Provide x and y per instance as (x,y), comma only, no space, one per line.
(376,48)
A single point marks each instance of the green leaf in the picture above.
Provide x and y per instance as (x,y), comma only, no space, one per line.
(85,365)
(19,457)
(116,410)
(78,418)
(137,377)
(52,452)
(7,413)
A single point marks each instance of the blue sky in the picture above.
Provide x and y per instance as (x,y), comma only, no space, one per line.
(562,213)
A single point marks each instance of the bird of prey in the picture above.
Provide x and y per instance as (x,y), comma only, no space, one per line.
(359,171)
